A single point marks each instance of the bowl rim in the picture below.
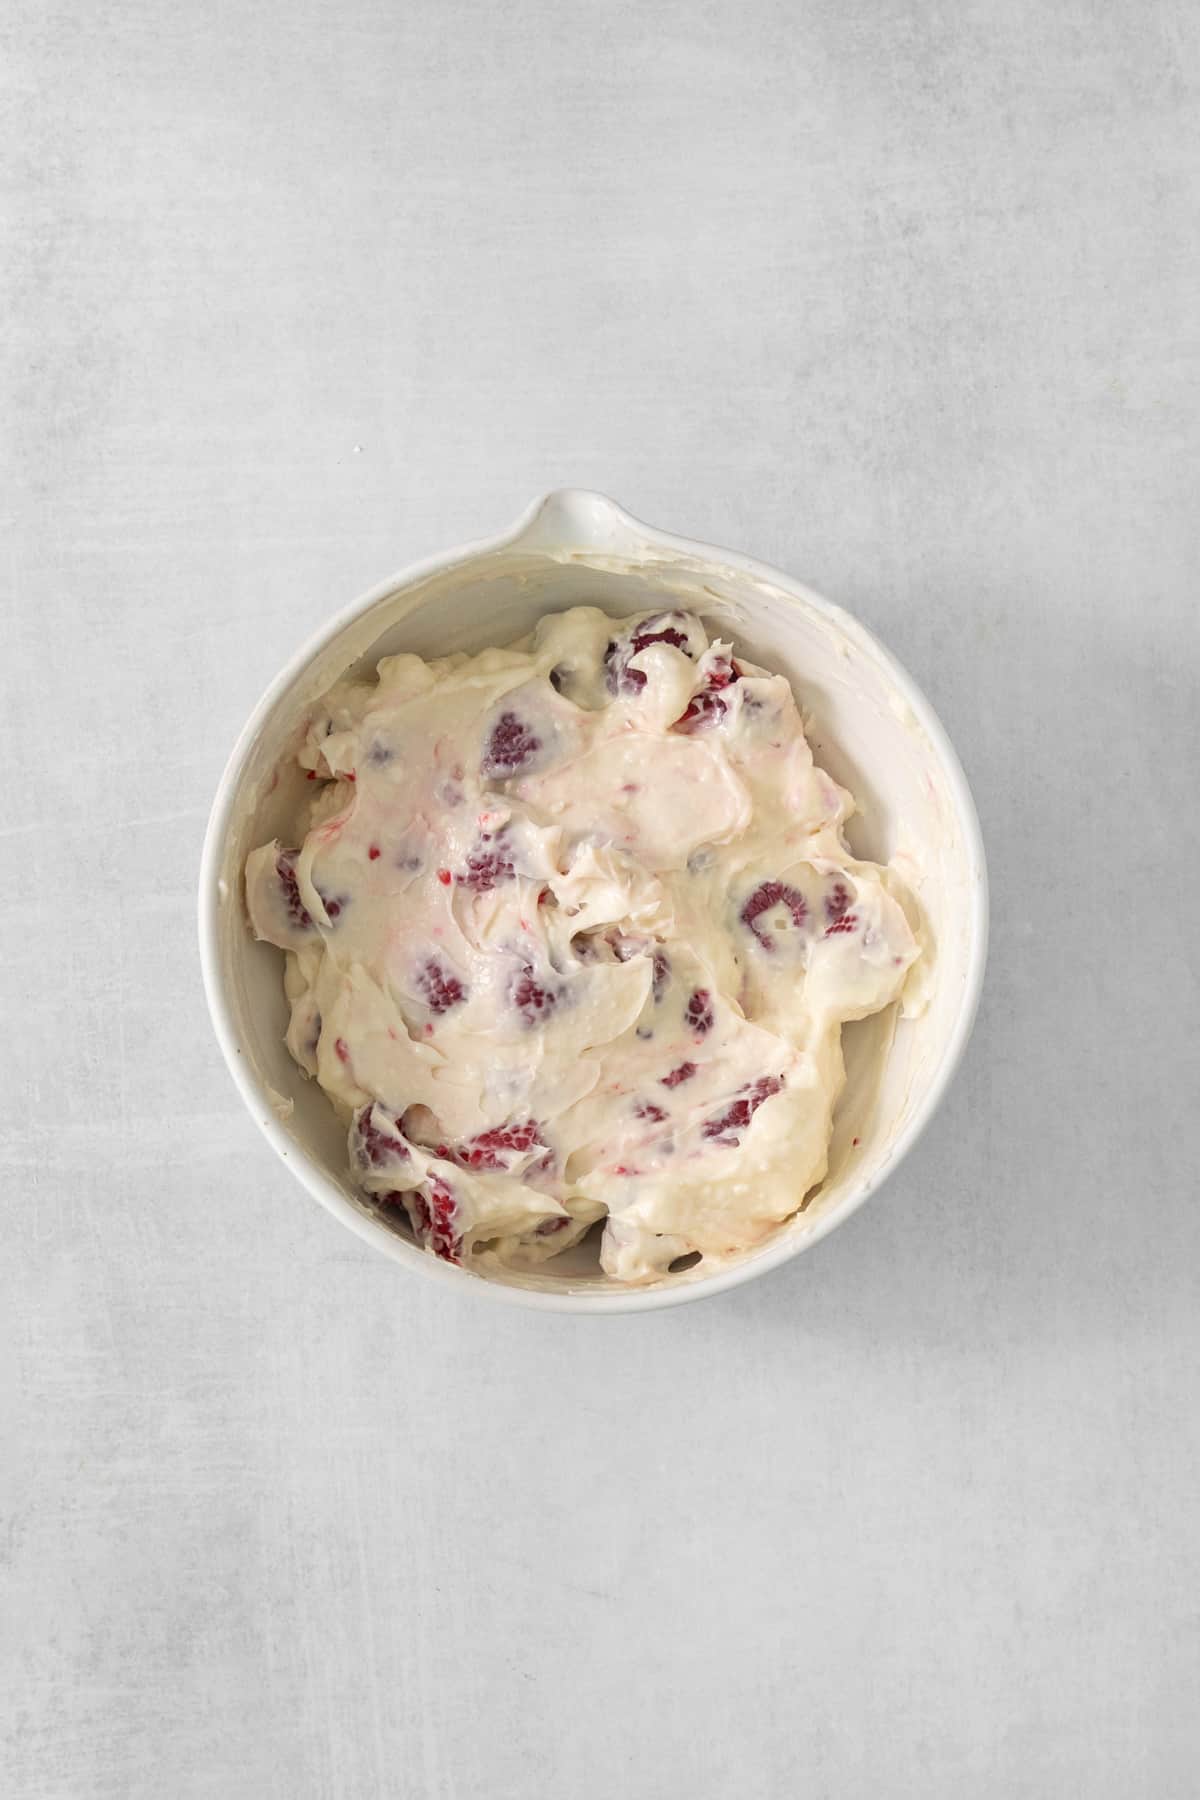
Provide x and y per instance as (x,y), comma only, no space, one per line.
(576,519)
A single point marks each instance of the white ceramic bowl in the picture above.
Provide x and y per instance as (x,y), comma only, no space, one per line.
(869,726)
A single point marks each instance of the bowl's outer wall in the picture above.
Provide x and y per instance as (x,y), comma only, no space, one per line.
(868,725)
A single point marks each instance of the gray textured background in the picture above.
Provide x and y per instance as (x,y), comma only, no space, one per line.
(903,297)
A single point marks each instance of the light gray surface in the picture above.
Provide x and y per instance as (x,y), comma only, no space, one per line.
(903,298)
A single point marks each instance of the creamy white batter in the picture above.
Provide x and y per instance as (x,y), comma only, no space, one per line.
(571,934)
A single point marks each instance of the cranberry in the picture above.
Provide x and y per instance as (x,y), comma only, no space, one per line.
(699,1012)
(439,989)
(684,1072)
(510,746)
(767,896)
(548,1227)
(739,1113)
(646,1109)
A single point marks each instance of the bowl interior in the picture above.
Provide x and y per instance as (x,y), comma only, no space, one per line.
(863,728)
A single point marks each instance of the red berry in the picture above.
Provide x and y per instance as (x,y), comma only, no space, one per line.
(847,923)
(532,1000)
(684,1072)
(739,1113)
(285,868)
(699,1012)
(373,852)
(445,877)
(487,868)
(641,638)
(646,1109)
(548,1227)
(343,1049)
(376,1139)
(510,747)
(444,1241)
(496,1148)
(837,910)
(439,989)
(707,707)
(765,898)
(619,677)
(703,709)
